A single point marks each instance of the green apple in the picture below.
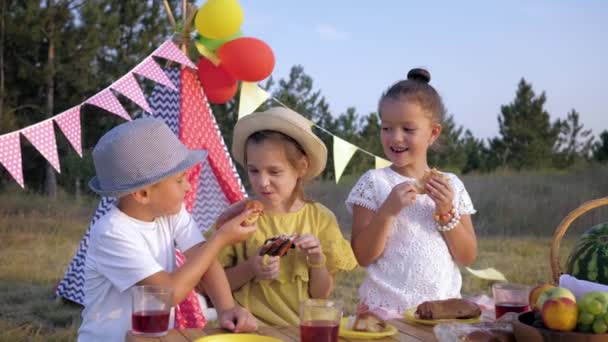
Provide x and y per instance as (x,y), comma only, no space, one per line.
(554,293)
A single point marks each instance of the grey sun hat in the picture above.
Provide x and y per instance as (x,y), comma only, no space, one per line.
(137,154)
(288,122)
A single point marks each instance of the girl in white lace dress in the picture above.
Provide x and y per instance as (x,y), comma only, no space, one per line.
(411,244)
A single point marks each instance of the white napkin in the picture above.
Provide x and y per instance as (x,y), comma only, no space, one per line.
(580,287)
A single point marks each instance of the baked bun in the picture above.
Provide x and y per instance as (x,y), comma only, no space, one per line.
(420,183)
(258,210)
(278,245)
(368,322)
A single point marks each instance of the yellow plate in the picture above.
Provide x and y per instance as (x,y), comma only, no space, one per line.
(237,338)
(409,315)
(347,333)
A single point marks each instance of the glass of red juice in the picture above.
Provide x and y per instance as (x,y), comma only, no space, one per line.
(151,309)
(320,320)
(510,297)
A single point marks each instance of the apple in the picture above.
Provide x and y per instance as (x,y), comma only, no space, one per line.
(535,293)
(553,293)
(560,314)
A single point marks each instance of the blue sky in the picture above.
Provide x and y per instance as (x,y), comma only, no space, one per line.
(476,51)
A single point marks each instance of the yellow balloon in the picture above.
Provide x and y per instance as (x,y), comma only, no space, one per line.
(219,19)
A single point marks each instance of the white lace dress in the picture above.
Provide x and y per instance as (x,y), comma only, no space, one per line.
(416,264)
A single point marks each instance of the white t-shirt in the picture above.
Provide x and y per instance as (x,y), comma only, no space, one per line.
(122,251)
(416,264)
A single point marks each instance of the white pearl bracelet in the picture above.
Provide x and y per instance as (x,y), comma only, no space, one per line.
(451,224)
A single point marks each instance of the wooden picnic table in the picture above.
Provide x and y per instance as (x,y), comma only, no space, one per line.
(407,332)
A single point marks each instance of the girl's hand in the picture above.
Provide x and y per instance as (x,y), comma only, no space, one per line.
(311,247)
(403,195)
(265,267)
(441,193)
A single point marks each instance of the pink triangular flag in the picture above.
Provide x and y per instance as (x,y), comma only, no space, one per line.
(69,122)
(129,87)
(171,52)
(149,69)
(42,136)
(10,156)
(106,100)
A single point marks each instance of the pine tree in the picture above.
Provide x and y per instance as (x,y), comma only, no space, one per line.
(574,142)
(527,135)
(600,148)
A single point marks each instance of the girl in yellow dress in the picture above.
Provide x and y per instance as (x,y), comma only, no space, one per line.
(281,153)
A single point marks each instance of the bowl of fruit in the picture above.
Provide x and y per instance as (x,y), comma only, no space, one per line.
(562,318)
(555,313)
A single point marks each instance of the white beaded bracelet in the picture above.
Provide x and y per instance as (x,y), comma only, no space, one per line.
(451,224)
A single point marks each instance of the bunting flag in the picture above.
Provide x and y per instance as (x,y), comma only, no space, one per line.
(381,162)
(171,52)
(149,69)
(10,156)
(252,96)
(106,100)
(343,152)
(42,136)
(129,87)
(202,49)
(69,123)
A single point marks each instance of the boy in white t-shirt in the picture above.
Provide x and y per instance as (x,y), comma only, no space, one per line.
(143,164)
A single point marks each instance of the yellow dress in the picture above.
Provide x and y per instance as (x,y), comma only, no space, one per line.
(276,301)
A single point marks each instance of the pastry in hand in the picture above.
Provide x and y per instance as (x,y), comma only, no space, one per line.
(278,245)
(258,210)
(454,308)
(420,183)
(366,322)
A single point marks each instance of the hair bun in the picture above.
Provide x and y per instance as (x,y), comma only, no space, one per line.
(419,74)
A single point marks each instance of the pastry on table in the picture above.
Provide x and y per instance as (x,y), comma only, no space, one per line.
(454,308)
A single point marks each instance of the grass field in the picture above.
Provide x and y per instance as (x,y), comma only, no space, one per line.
(517,214)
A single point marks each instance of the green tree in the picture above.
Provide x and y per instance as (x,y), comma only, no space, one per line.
(527,135)
(448,153)
(63,51)
(600,148)
(574,142)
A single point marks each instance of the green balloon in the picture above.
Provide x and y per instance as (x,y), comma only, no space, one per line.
(214,44)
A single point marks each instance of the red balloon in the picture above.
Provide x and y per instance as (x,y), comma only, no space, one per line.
(247,59)
(219,85)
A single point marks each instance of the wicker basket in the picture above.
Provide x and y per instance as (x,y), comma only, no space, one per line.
(522,327)
(563,227)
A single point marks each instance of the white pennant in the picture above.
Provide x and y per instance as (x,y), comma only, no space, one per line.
(381,162)
(252,96)
(343,152)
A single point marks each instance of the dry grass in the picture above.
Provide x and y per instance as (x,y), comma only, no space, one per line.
(517,214)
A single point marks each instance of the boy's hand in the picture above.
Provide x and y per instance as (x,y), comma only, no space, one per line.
(311,247)
(265,267)
(441,193)
(237,320)
(403,195)
(230,212)
(232,232)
